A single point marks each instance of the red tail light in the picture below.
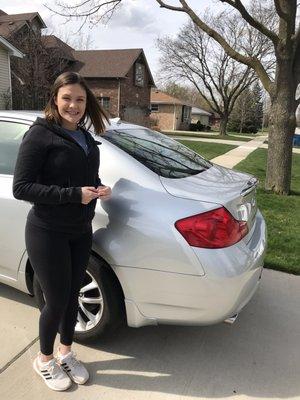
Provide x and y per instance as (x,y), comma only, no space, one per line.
(212,230)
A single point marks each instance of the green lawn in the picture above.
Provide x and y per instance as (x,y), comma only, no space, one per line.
(208,136)
(282,214)
(207,150)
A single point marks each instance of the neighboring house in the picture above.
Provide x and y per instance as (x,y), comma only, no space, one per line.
(28,77)
(200,115)
(60,51)
(120,79)
(6,51)
(16,26)
(206,118)
(168,112)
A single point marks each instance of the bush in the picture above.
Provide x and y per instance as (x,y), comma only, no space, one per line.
(193,127)
(249,127)
(199,127)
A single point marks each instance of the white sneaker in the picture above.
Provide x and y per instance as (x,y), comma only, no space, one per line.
(73,367)
(53,375)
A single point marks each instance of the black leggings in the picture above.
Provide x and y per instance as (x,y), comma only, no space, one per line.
(59,261)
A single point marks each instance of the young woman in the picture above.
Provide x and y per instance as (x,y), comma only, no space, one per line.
(57,171)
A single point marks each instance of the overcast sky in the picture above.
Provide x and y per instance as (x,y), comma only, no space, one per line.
(137,24)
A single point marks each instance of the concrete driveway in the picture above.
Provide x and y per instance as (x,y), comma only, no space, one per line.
(257,357)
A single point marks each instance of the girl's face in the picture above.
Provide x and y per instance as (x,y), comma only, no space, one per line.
(71,104)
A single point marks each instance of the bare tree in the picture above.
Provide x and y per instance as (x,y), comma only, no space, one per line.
(248,111)
(28,76)
(33,75)
(195,58)
(76,40)
(285,39)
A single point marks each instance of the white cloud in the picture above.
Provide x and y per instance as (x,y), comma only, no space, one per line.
(136,24)
(136,16)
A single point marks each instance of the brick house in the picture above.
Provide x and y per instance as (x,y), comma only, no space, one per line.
(120,79)
(168,112)
(198,114)
(18,25)
(29,83)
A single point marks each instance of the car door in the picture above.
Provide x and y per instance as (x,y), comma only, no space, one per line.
(13,212)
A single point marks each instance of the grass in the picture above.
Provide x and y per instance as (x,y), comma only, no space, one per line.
(207,150)
(282,214)
(210,136)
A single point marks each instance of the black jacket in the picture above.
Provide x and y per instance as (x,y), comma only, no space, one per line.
(50,170)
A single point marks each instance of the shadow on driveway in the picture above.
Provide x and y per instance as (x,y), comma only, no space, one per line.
(258,356)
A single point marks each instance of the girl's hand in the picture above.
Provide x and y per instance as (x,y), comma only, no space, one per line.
(88,193)
(104,192)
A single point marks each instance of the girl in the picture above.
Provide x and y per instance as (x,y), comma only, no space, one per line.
(57,171)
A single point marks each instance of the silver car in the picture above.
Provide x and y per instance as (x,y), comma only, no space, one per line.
(180,241)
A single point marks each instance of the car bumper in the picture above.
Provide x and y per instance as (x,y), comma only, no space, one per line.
(231,278)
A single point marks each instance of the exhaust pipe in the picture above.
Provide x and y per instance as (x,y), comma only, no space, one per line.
(231,320)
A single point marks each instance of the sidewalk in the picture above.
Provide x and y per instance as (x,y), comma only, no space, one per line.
(201,133)
(231,142)
(209,140)
(233,157)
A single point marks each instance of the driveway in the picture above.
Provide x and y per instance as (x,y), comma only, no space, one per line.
(257,357)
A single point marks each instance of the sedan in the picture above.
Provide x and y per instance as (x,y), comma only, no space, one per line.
(180,241)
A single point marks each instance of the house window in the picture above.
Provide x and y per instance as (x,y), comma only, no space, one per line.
(139,74)
(35,28)
(154,107)
(105,102)
(185,113)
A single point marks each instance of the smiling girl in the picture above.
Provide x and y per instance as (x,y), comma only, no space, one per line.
(57,171)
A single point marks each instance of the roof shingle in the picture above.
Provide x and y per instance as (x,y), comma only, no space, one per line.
(105,63)
(11,22)
(164,98)
(53,42)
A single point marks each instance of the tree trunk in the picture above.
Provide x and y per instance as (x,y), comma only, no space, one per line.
(223,125)
(281,130)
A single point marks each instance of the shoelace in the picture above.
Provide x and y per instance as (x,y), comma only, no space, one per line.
(54,370)
(71,360)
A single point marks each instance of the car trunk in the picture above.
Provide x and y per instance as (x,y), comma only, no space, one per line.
(234,190)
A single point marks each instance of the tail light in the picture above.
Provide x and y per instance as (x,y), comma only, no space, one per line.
(212,230)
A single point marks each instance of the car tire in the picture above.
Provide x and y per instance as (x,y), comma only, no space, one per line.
(106,285)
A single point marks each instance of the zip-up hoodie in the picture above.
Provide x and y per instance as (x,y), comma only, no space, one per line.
(50,170)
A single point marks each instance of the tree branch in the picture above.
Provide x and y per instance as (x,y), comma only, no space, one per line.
(246,84)
(279,11)
(238,5)
(169,7)
(94,8)
(252,62)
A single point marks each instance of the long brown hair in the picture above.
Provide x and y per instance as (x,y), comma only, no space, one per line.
(94,111)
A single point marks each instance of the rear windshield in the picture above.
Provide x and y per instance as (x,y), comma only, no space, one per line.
(164,156)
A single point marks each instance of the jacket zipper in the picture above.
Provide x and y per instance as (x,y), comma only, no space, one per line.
(85,208)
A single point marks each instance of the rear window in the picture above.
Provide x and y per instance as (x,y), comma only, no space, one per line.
(164,156)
